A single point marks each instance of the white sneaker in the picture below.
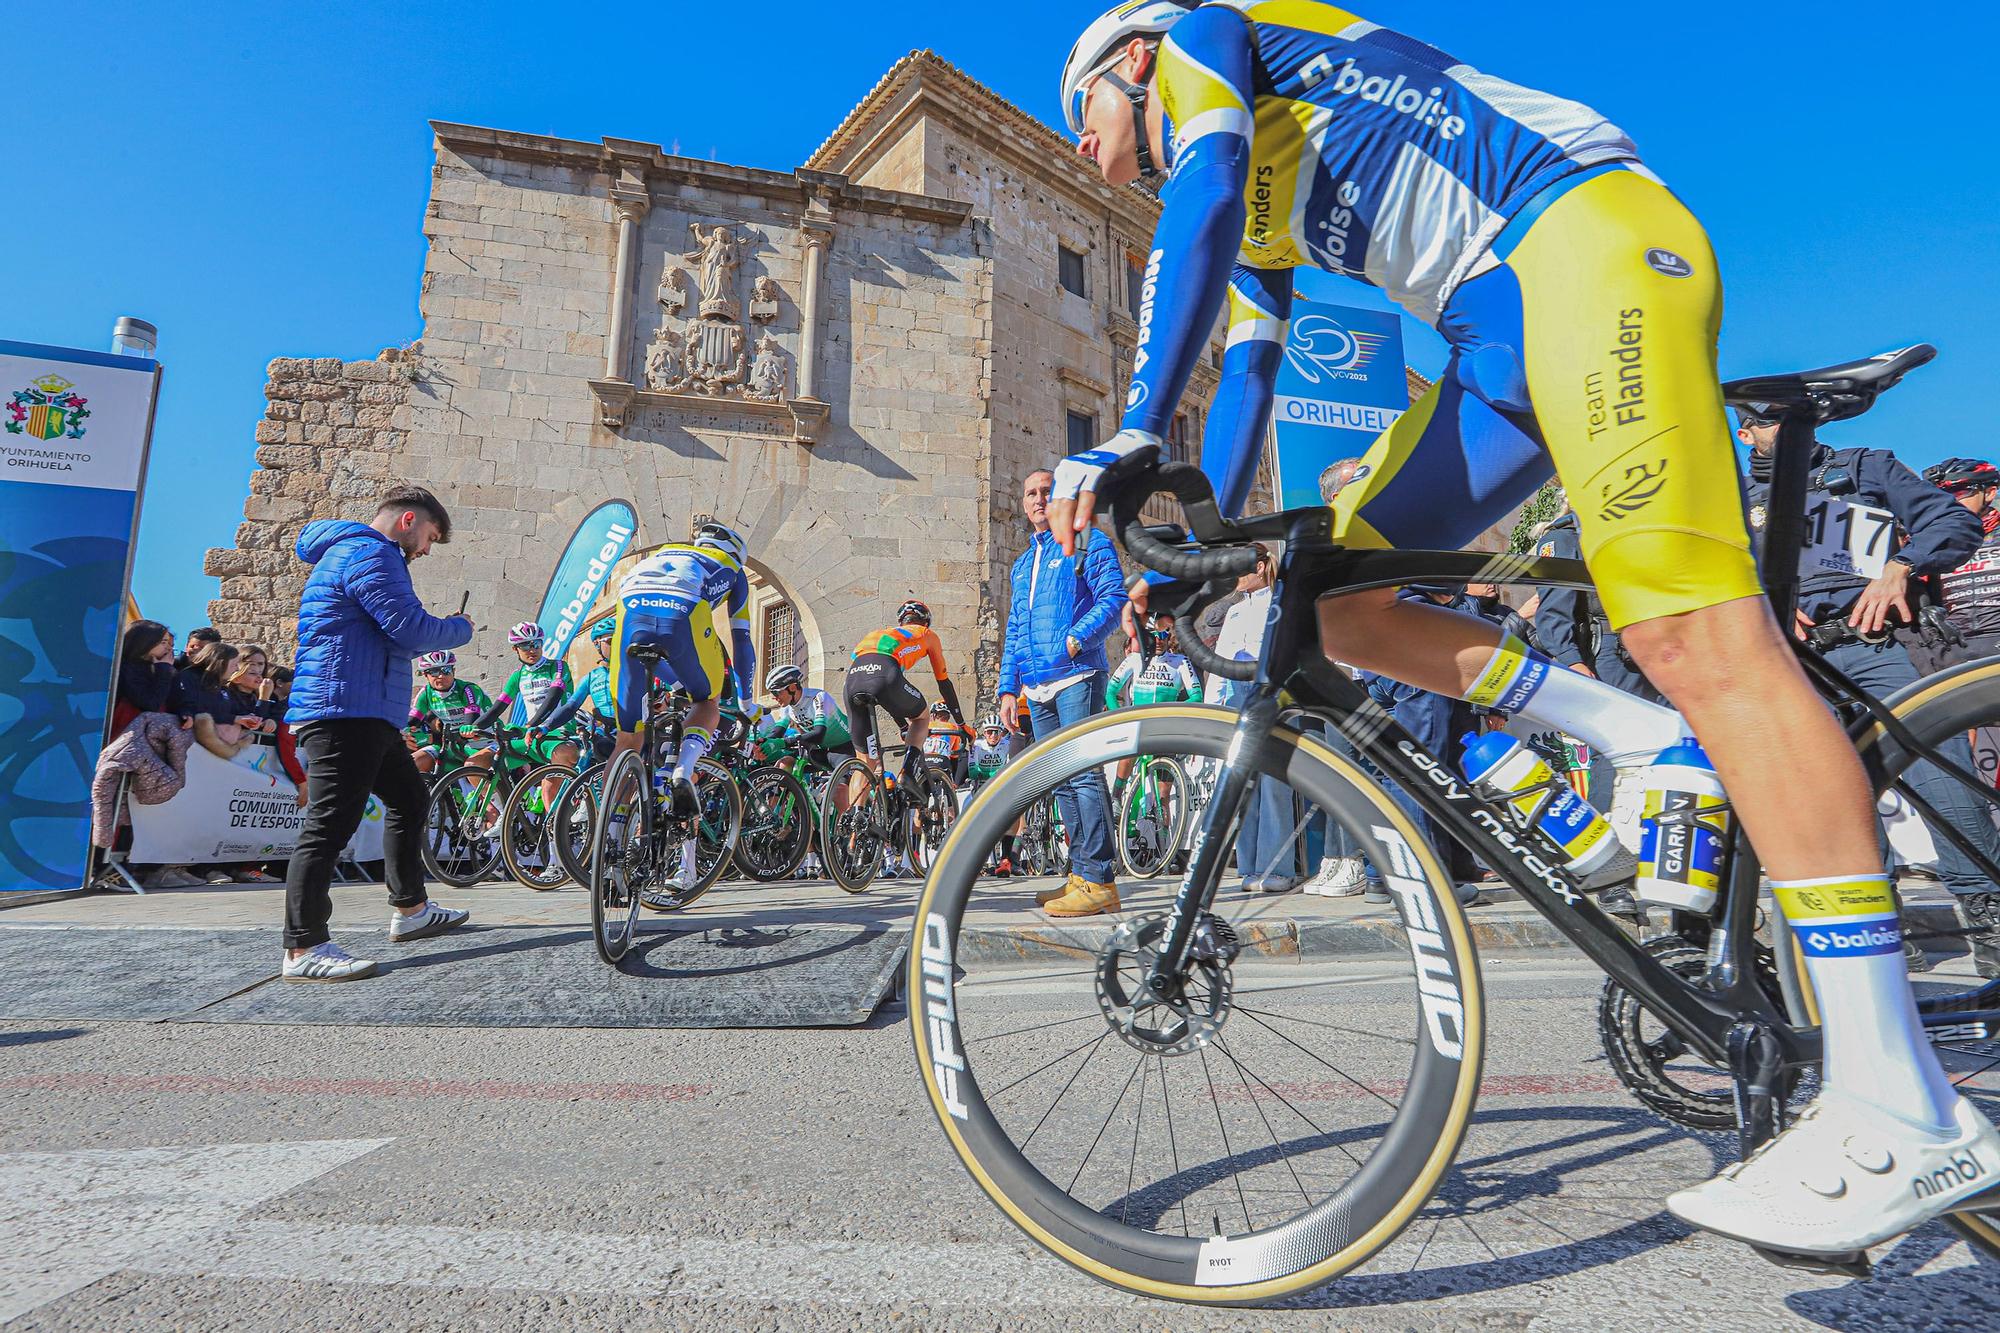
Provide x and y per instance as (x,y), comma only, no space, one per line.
(432,920)
(1350,876)
(1845,1176)
(326,962)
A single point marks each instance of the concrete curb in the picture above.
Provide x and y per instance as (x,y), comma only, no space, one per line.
(1041,941)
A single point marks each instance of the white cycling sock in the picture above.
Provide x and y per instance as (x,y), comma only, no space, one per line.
(1623,727)
(695,742)
(1876,1050)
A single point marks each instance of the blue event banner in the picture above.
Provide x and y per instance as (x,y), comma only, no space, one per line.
(74,427)
(603,536)
(1340,385)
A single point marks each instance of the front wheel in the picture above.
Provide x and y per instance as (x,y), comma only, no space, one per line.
(528,828)
(1248,1133)
(1152,813)
(462,823)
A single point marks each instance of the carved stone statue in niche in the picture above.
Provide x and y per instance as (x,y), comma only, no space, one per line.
(673,296)
(716,257)
(767,372)
(663,361)
(714,356)
(764,299)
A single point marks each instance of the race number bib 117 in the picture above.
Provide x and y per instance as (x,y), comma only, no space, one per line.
(1847,538)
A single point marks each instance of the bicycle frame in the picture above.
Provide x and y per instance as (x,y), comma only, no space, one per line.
(1292,661)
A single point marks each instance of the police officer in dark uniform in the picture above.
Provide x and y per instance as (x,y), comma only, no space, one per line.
(1855,586)
(1572,627)
(1970,594)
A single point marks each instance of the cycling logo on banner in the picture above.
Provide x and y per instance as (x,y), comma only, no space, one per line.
(47,410)
(1320,348)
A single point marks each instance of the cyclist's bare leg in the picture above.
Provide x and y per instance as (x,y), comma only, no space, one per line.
(552,786)
(1451,652)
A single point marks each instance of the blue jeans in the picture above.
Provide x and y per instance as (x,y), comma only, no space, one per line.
(1083,800)
(1265,848)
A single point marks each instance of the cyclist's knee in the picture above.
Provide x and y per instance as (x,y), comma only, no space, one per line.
(1679,652)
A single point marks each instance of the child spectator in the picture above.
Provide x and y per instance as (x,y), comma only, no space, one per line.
(196,638)
(202,696)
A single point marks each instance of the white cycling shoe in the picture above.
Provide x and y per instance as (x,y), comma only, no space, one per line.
(1846,1176)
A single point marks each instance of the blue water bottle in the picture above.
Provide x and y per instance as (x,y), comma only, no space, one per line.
(1685,829)
(1524,780)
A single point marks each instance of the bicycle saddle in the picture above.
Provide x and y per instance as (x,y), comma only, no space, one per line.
(1834,393)
(643,652)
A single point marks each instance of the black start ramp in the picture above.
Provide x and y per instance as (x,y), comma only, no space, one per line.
(140,975)
(677,975)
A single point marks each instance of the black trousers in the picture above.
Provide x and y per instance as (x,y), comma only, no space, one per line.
(347,760)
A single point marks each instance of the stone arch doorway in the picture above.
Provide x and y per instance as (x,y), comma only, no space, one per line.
(782,625)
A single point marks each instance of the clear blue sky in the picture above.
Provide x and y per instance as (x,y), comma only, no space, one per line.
(252,178)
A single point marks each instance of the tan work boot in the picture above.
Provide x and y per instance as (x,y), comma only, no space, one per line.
(1043,897)
(1086,899)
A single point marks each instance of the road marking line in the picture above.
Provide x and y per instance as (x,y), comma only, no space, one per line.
(68,1219)
(462,1089)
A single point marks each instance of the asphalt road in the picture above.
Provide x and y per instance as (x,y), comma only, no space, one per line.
(241,1176)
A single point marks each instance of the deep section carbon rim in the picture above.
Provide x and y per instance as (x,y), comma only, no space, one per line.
(1239,1141)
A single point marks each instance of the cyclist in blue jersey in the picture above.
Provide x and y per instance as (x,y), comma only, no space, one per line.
(1581,302)
(670,602)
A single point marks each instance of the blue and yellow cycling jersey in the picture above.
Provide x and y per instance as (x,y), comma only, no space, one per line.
(1579,298)
(676,599)
(1312,136)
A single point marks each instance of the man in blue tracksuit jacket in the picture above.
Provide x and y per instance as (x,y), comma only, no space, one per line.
(1063,609)
(360,623)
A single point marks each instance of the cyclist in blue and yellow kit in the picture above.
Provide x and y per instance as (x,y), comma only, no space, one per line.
(1581,302)
(670,601)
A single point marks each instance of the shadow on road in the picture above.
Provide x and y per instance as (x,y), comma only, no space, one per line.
(40,1035)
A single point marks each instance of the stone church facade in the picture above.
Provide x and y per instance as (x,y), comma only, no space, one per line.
(855,363)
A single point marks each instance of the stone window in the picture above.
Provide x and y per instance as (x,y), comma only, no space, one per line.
(1082,432)
(1070,271)
(1135,282)
(1177,440)
(781,635)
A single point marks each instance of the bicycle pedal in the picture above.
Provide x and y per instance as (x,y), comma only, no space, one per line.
(1854,1263)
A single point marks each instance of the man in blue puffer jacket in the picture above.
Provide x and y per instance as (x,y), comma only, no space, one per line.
(1063,609)
(359,625)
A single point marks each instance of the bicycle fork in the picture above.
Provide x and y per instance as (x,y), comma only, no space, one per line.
(1240,767)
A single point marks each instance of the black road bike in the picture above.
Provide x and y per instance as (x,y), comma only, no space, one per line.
(638,837)
(1189,1132)
(906,815)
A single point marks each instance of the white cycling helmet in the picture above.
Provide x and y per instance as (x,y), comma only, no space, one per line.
(430,662)
(525,632)
(784,677)
(721,537)
(1101,46)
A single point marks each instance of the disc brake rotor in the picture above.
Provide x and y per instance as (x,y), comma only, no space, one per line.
(1192,1015)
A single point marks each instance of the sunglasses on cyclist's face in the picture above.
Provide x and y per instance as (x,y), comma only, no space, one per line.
(436,672)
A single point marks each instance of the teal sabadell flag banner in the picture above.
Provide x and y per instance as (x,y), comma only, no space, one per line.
(579,576)
(1340,385)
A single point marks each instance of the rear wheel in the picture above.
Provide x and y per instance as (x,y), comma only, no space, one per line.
(1239,1137)
(931,817)
(853,840)
(1958,712)
(462,823)
(778,819)
(528,843)
(622,856)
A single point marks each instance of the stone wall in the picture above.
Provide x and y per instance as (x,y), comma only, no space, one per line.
(331,441)
(517,305)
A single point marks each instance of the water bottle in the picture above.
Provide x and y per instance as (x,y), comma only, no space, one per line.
(1524,779)
(1683,831)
